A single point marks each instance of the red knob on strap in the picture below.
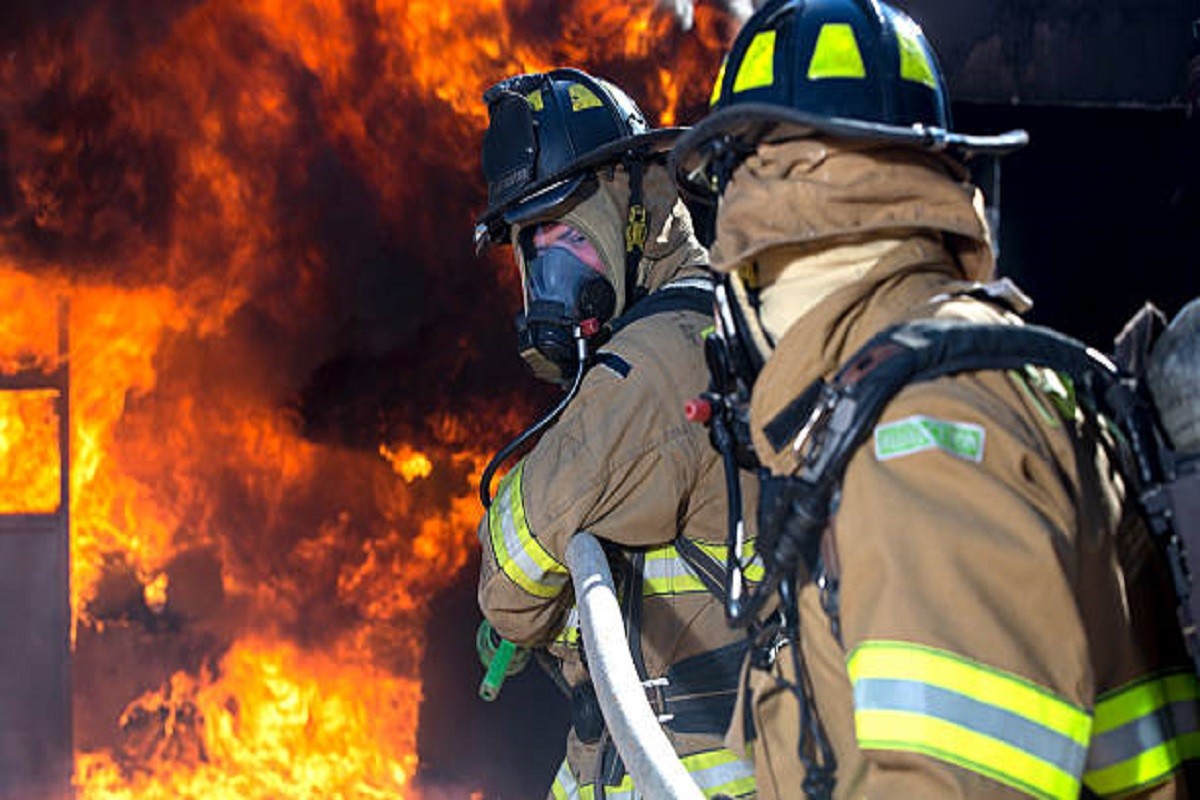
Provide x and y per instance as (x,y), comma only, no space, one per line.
(697,410)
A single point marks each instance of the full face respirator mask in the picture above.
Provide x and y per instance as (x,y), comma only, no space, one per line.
(566,290)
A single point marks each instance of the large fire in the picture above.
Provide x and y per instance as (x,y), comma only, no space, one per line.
(287,369)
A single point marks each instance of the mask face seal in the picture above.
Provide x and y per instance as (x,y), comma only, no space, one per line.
(565,287)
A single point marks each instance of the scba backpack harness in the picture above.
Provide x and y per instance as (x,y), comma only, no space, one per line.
(828,422)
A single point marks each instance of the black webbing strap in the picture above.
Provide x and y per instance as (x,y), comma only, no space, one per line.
(837,416)
(684,298)
(709,571)
(700,692)
(914,352)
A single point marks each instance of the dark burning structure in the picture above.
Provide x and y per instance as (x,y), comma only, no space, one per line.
(287,368)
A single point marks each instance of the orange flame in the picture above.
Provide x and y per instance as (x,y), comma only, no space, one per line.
(271,722)
(29,464)
(170,188)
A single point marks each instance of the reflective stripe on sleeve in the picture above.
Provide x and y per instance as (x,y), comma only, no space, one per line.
(518,552)
(570,634)
(1143,733)
(923,700)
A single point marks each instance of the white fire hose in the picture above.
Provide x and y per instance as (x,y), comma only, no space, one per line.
(649,757)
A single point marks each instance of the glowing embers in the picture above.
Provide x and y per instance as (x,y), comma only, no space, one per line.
(409,464)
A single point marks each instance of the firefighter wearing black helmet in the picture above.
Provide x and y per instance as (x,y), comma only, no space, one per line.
(982,619)
(616,300)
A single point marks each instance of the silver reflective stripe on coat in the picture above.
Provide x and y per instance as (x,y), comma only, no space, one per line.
(518,552)
(666,572)
(564,786)
(875,694)
(714,771)
(1143,733)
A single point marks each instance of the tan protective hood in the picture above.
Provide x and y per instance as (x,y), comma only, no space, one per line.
(816,192)
(671,249)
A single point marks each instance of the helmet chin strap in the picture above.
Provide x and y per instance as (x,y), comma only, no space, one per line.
(581,353)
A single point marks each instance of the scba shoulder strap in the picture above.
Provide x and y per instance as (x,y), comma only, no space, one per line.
(684,295)
(830,420)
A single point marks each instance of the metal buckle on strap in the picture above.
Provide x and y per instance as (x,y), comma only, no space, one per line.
(656,693)
(768,640)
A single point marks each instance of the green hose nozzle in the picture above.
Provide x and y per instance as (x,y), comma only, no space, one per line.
(500,658)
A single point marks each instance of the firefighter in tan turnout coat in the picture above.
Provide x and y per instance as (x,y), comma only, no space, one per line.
(577,184)
(987,621)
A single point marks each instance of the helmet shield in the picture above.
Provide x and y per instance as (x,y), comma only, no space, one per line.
(565,286)
(510,148)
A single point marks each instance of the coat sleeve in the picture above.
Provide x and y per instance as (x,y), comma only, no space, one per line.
(967,656)
(620,463)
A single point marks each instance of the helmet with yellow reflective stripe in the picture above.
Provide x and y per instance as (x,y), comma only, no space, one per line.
(855,69)
(546,133)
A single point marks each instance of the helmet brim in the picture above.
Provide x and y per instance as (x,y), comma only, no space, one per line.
(745,125)
(540,197)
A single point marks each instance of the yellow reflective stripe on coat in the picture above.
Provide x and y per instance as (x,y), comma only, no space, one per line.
(715,772)
(564,786)
(518,552)
(920,699)
(666,572)
(721,772)
(570,634)
(1143,732)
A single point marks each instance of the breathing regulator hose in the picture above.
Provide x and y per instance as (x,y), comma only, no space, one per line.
(581,359)
(500,657)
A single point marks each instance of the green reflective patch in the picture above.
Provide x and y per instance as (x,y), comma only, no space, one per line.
(758,65)
(914,59)
(535,100)
(716,90)
(918,433)
(836,54)
(582,97)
